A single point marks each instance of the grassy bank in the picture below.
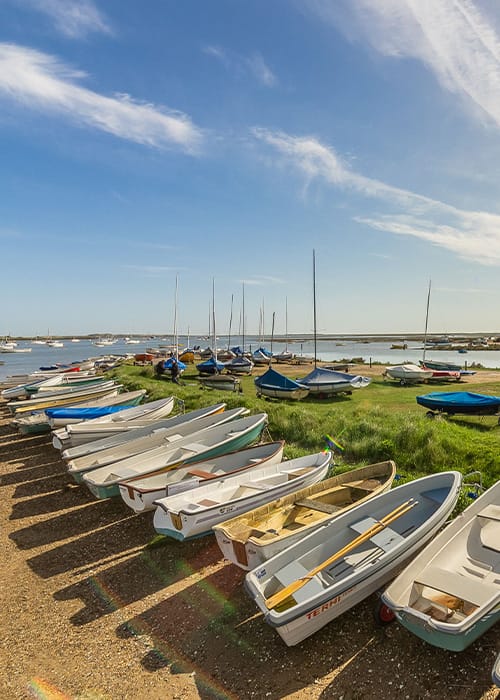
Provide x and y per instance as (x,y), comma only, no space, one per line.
(382,421)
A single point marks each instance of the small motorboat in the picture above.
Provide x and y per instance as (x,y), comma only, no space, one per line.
(450,593)
(252,538)
(408,374)
(324,574)
(192,514)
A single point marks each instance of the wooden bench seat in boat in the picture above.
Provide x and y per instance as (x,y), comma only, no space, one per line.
(294,571)
(318,505)
(489,518)
(474,591)
(386,539)
(299,472)
(201,473)
(364,484)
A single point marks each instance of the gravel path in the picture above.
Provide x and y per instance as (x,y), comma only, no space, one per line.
(89,611)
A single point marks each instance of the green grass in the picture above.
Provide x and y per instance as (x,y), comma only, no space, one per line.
(382,421)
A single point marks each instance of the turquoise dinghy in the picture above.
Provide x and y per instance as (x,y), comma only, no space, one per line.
(450,594)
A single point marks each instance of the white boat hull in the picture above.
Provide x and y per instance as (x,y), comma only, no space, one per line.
(343,581)
(187,522)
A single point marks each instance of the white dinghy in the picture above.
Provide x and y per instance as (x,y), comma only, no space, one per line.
(141,492)
(144,427)
(103,482)
(79,433)
(194,513)
(160,437)
(314,581)
(450,594)
(408,374)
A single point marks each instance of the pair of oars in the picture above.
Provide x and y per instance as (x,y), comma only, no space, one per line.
(289,590)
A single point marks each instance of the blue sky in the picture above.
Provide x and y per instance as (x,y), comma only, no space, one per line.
(220,140)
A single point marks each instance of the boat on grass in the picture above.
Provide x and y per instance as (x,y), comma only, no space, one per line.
(408,374)
(89,430)
(338,565)
(66,415)
(141,492)
(222,382)
(459,402)
(193,514)
(160,437)
(444,366)
(250,539)
(449,595)
(142,429)
(204,444)
(275,385)
(323,382)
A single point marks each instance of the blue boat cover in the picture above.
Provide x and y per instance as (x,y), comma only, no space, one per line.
(210,366)
(459,402)
(262,351)
(83,413)
(167,364)
(321,376)
(274,380)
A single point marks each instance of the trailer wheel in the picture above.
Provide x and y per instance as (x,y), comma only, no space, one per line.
(402,382)
(383,614)
(430,414)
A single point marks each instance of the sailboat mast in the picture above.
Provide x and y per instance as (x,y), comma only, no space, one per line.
(243,319)
(272,338)
(314,308)
(426,322)
(176,342)
(213,318)
(286,324)
(230,323)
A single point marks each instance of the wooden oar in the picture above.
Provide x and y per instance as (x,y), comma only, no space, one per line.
(289,590)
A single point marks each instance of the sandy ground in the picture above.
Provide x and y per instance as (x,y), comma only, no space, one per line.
(89,611)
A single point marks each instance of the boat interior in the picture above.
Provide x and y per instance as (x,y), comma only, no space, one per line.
(279,519)
(471,578)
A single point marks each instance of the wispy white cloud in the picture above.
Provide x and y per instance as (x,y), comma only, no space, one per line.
(41,82)
(154,270)
(73,18)
(255,64)
(458,40)
(472,235)
(261,70)
(261,280)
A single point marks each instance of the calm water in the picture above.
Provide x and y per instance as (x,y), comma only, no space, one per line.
(329,351)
